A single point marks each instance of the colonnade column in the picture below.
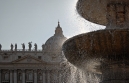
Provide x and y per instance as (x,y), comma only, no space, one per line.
(48,76)
(11,77)
(0,75)
(44,79)
(23,76)
(15,76)
(35,76)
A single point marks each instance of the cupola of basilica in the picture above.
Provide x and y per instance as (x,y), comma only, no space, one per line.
(55,42)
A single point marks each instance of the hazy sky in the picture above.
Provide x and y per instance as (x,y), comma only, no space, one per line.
(22,21)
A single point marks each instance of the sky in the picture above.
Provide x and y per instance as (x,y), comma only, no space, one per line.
(23,21)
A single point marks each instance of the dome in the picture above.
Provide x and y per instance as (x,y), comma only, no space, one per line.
(55,42)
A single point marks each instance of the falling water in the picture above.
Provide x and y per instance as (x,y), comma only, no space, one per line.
(103,55)
(72,74)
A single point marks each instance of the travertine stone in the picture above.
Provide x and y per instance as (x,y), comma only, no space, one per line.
(103,11)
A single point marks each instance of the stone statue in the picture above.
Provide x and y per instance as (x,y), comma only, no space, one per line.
(23,46)
(30,45)
(0,47)
(43,46)
(15,46)
(35,46)
(11,46)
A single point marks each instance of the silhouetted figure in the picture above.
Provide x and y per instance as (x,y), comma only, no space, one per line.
(0,47)
(11,46)
(15,47)
(23,46)
(30,46)
(35,46)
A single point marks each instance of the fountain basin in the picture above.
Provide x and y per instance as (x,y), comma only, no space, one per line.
(97,11)
(99,50)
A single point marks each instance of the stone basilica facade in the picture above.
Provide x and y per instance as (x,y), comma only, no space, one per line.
(36,66)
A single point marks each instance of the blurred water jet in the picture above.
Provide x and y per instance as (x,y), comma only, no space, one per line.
(102,55)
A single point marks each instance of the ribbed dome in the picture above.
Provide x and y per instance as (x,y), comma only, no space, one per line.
(55,42)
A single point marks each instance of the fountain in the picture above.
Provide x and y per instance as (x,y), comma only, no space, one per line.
(102,54)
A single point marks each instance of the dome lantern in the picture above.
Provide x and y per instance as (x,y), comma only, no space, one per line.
(58,30)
